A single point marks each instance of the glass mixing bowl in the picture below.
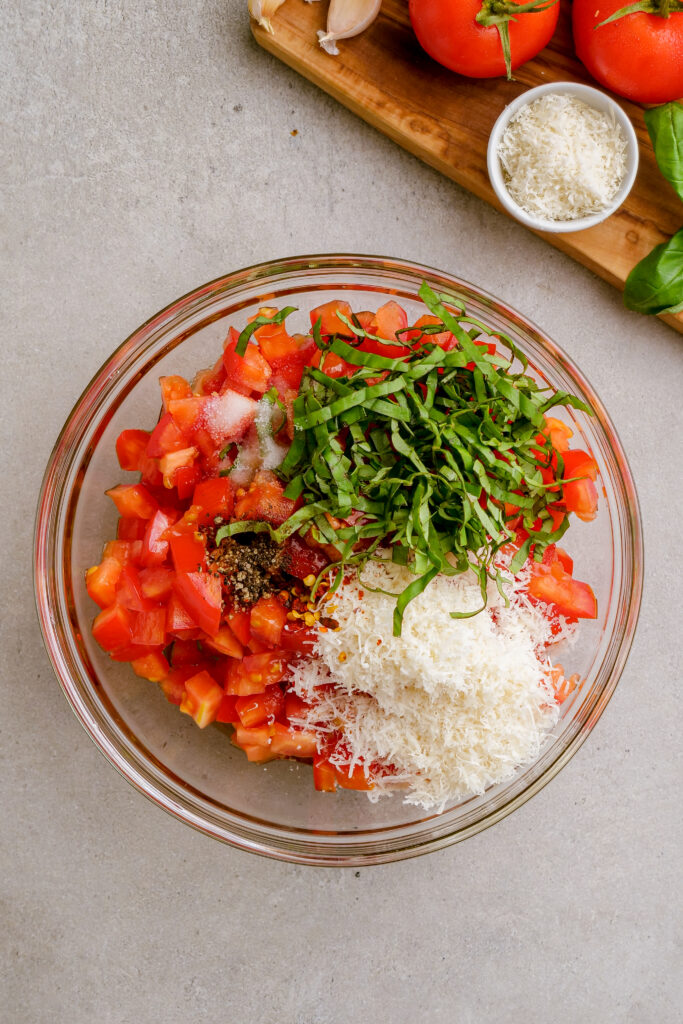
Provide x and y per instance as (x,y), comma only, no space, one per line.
(198,775)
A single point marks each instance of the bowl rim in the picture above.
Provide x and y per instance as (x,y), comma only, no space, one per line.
(288,845)
(593,97)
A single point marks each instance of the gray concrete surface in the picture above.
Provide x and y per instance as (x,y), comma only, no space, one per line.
(148,147)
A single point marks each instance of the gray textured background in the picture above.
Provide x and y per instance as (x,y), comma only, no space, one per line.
(147,148)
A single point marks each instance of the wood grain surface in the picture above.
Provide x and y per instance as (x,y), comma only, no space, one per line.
(444,119)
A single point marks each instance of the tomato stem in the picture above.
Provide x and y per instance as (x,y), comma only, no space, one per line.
(659,8)
(497,14)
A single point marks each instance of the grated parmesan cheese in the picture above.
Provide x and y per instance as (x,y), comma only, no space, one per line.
(454,705)
(562,159)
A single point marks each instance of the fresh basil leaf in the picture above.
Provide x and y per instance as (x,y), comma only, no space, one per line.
(665,125)
(655,285)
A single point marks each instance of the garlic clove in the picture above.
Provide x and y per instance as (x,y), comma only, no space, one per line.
(347,18)
(263,10)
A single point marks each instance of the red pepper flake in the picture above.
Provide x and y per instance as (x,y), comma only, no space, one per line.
(361,594)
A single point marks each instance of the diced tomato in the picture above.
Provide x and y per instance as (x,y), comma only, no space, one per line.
(297,639)
(333,365)
(239,623)
(149,628)
(553,585)
(295,706)
(154,547)
(356,780)
(300,560)
(131,652)
(329,320)
(227,710)
(257,755)
(130,448)
(578,463)
(186,413)
(155,583)
(558,433)
(228,416)
(324,775)
(200,593)
(170,464)
(202,699)
(186,479)
(173,388)
(101,580)
(129,592)
(225,642)
(174,686)
(188,551)
(250,372)
(267,618)
(166,437)
(178,621)
(113,627)
(286,741)
(210,381)
(259,736)
(185,652)
(581,497)
(255,672)
(124,551)
(444,339)
(151,666)
(215,498)
(275,343)
(130,529)
(150,473)
(260,707)
(265,500)
(133,501)
(388,319)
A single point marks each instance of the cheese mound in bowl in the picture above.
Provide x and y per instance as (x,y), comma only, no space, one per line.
(197,774)
(450,707)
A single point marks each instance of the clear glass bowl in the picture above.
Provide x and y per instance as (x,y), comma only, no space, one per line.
(198,775)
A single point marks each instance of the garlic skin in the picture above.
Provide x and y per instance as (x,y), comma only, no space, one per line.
(347,18)
(263,10)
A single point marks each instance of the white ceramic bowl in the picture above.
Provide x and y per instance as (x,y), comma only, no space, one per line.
(594,98)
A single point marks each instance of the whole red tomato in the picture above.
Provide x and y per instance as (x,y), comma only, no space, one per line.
(450,33)
(639,56)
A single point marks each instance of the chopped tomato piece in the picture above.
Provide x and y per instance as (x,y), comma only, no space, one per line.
(239,623)
(186,413)
(130,448)
(173,388)
(258,736)
(188,551)
(131,652)
(151,666)
(329,320)
(178,621)
(113,627)
(185,652)
(155,583)
(296,706)
(101,580)
(324,775)
(124,551)
(571,597)
(149,628)
(225,642)
(558,433)
(166,437)
(174,686)
(186,479)
(267,618)
(227,710)
(215,498)
(581,498)
(130,529)
(129,592)
(333,365)
(260,707)
(170,464)
(265,500)
(255,672)
(133,501)
(581,464)
(154,547)
(251,371)
(297,639)
(200,593)
(287,741)
(357,779)
(300,560)
(203,696)
(211,380)
(444,339)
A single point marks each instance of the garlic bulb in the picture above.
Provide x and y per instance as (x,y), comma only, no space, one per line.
(347,18)
(263,10)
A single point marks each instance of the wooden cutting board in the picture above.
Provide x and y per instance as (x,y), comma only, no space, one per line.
(386,78)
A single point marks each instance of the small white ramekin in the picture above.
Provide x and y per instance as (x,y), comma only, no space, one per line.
(594,98)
